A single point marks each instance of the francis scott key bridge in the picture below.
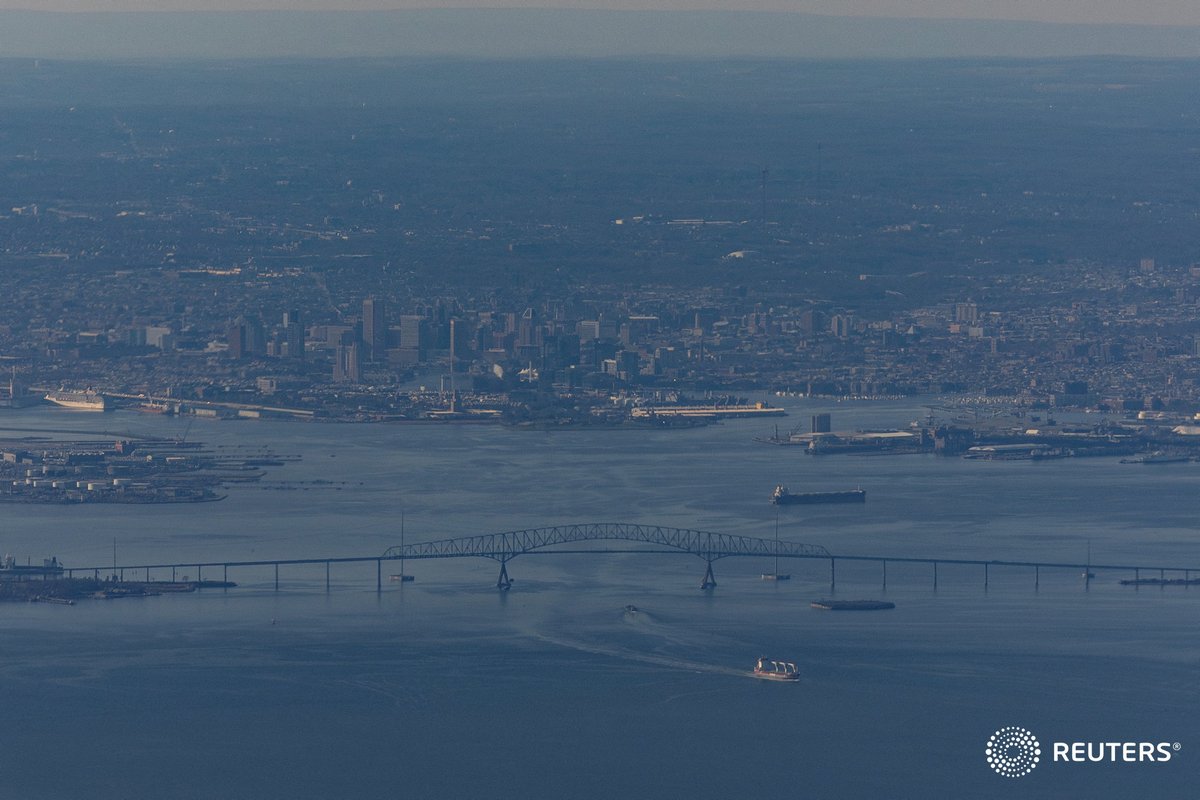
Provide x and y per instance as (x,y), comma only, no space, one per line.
(644,539)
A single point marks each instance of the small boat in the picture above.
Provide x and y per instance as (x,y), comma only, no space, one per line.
(399,578)
(776,670)
(632,609)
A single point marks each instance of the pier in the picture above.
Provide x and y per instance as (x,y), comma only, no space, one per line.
(649,540)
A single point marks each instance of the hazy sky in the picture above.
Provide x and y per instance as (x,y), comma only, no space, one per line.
(1150,12)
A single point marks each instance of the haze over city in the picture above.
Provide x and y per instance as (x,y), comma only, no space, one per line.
(1153,12)
(606,401)
(592,32)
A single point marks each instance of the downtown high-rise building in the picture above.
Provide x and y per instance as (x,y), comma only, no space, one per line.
(346,367)
(293,335)
(374,328)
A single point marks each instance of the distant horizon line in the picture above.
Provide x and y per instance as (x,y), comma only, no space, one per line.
(525,32)
(593,10)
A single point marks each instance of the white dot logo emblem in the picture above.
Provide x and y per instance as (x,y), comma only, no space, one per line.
(1013,751)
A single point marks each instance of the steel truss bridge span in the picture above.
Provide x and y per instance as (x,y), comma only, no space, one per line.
(504,547)
(649,539)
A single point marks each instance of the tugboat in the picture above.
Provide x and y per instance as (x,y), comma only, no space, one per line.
(776,670)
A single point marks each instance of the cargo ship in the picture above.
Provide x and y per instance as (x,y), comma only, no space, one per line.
(14,395)
(852,605)
(1158,457)
(82,401)
(782,497)
(776,670)
(11,570)
(722,411)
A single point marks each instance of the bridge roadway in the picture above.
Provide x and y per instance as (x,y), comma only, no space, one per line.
(658,539)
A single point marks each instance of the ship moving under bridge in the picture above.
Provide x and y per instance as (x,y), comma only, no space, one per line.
(647,539)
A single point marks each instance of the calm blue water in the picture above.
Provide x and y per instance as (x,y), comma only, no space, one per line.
(446,688)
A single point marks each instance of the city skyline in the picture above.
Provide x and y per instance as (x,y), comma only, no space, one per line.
(315,321)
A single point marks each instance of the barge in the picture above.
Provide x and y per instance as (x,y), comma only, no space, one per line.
(852,605)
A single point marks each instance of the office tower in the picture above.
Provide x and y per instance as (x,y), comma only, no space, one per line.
(345,364)
(293,335)
(375,328)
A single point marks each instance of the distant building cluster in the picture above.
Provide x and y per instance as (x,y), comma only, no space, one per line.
(1085,335)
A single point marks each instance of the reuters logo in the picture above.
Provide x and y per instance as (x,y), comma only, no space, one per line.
(1013,751)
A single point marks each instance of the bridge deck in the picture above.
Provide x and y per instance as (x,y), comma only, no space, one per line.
(657,539)
(108,568)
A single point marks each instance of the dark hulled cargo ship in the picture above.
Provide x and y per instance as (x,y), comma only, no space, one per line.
(782,497)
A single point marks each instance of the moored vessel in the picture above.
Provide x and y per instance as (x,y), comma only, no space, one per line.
(1158,457)
(11,570)
(89,400)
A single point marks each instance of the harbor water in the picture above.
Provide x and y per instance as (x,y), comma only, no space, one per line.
(445,687)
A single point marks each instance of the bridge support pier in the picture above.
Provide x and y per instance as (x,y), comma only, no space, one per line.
(504,583)
(832,573)
(710,580)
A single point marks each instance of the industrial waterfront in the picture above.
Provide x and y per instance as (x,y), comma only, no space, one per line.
(552,686)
